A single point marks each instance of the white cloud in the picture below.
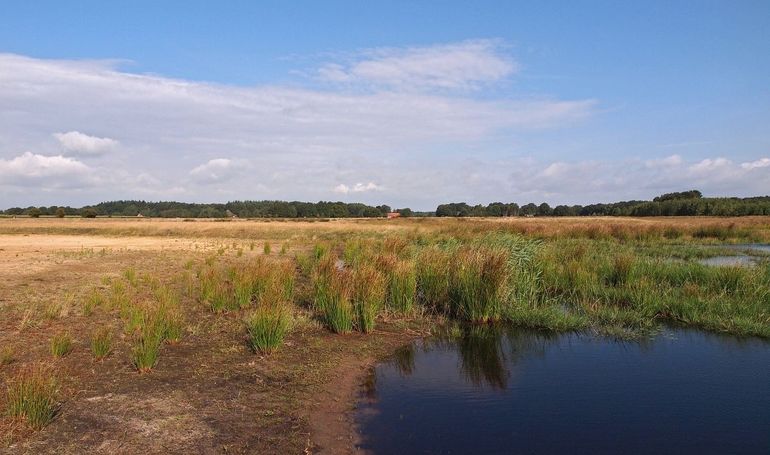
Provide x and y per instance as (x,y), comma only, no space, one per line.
(760,163)
(465,65)
(216,170)
(606,181)
(30,169)
(78,143)
(669,161)
(357,188)
(297,143)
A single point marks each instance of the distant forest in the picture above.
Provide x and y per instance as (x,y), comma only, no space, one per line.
(687,203)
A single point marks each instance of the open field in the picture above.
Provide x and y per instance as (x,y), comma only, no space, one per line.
(253,336)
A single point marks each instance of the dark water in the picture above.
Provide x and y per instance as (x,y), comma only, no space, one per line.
(518,391)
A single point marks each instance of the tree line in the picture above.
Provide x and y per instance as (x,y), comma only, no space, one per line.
(686,203)
(242,209)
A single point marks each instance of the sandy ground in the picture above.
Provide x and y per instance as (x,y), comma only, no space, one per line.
(208,394)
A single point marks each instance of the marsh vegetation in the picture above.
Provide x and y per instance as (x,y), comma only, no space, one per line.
(210,296)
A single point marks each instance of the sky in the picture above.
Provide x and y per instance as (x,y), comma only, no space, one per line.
(407,103)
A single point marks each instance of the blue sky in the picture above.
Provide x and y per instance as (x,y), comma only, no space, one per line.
(406,103)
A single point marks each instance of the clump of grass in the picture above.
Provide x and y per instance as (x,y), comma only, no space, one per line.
(432,269)
(402,286)
(61,345)
(168,314)
(130,275)
(93,300)
(6,356)
(339,309)
(101,343)
(368,295)
(31,395)
(267,326)
(173,325)
(222,296)
(620,269)
(479,284)
(266,248)
(146,348)
(53,310)
(118,295)
(332,292)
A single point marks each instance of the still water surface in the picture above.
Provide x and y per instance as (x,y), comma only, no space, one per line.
(497,390)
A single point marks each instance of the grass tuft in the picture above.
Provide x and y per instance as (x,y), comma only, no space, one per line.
(267,326)
(31,395)
(368,295)
(101,343)
(61,345)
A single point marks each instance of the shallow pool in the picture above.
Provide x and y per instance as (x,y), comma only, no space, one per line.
(495,390)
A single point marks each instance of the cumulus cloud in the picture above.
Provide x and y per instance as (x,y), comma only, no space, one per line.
(465,65)
(216,170)
(357,188)
(78,143)
(760,163)
(48,171)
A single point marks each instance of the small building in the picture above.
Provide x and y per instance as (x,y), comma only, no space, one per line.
(392,215)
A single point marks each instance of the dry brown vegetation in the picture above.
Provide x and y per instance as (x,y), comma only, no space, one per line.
(210,390)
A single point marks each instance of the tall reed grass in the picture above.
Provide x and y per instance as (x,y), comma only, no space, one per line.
(369,291)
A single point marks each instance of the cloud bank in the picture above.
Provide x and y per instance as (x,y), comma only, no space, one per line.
(405,126)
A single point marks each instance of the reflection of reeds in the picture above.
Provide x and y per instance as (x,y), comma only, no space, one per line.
(403,359)
(483,357)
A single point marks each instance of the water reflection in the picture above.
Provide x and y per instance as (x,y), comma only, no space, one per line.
(486,389)
(482,357)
